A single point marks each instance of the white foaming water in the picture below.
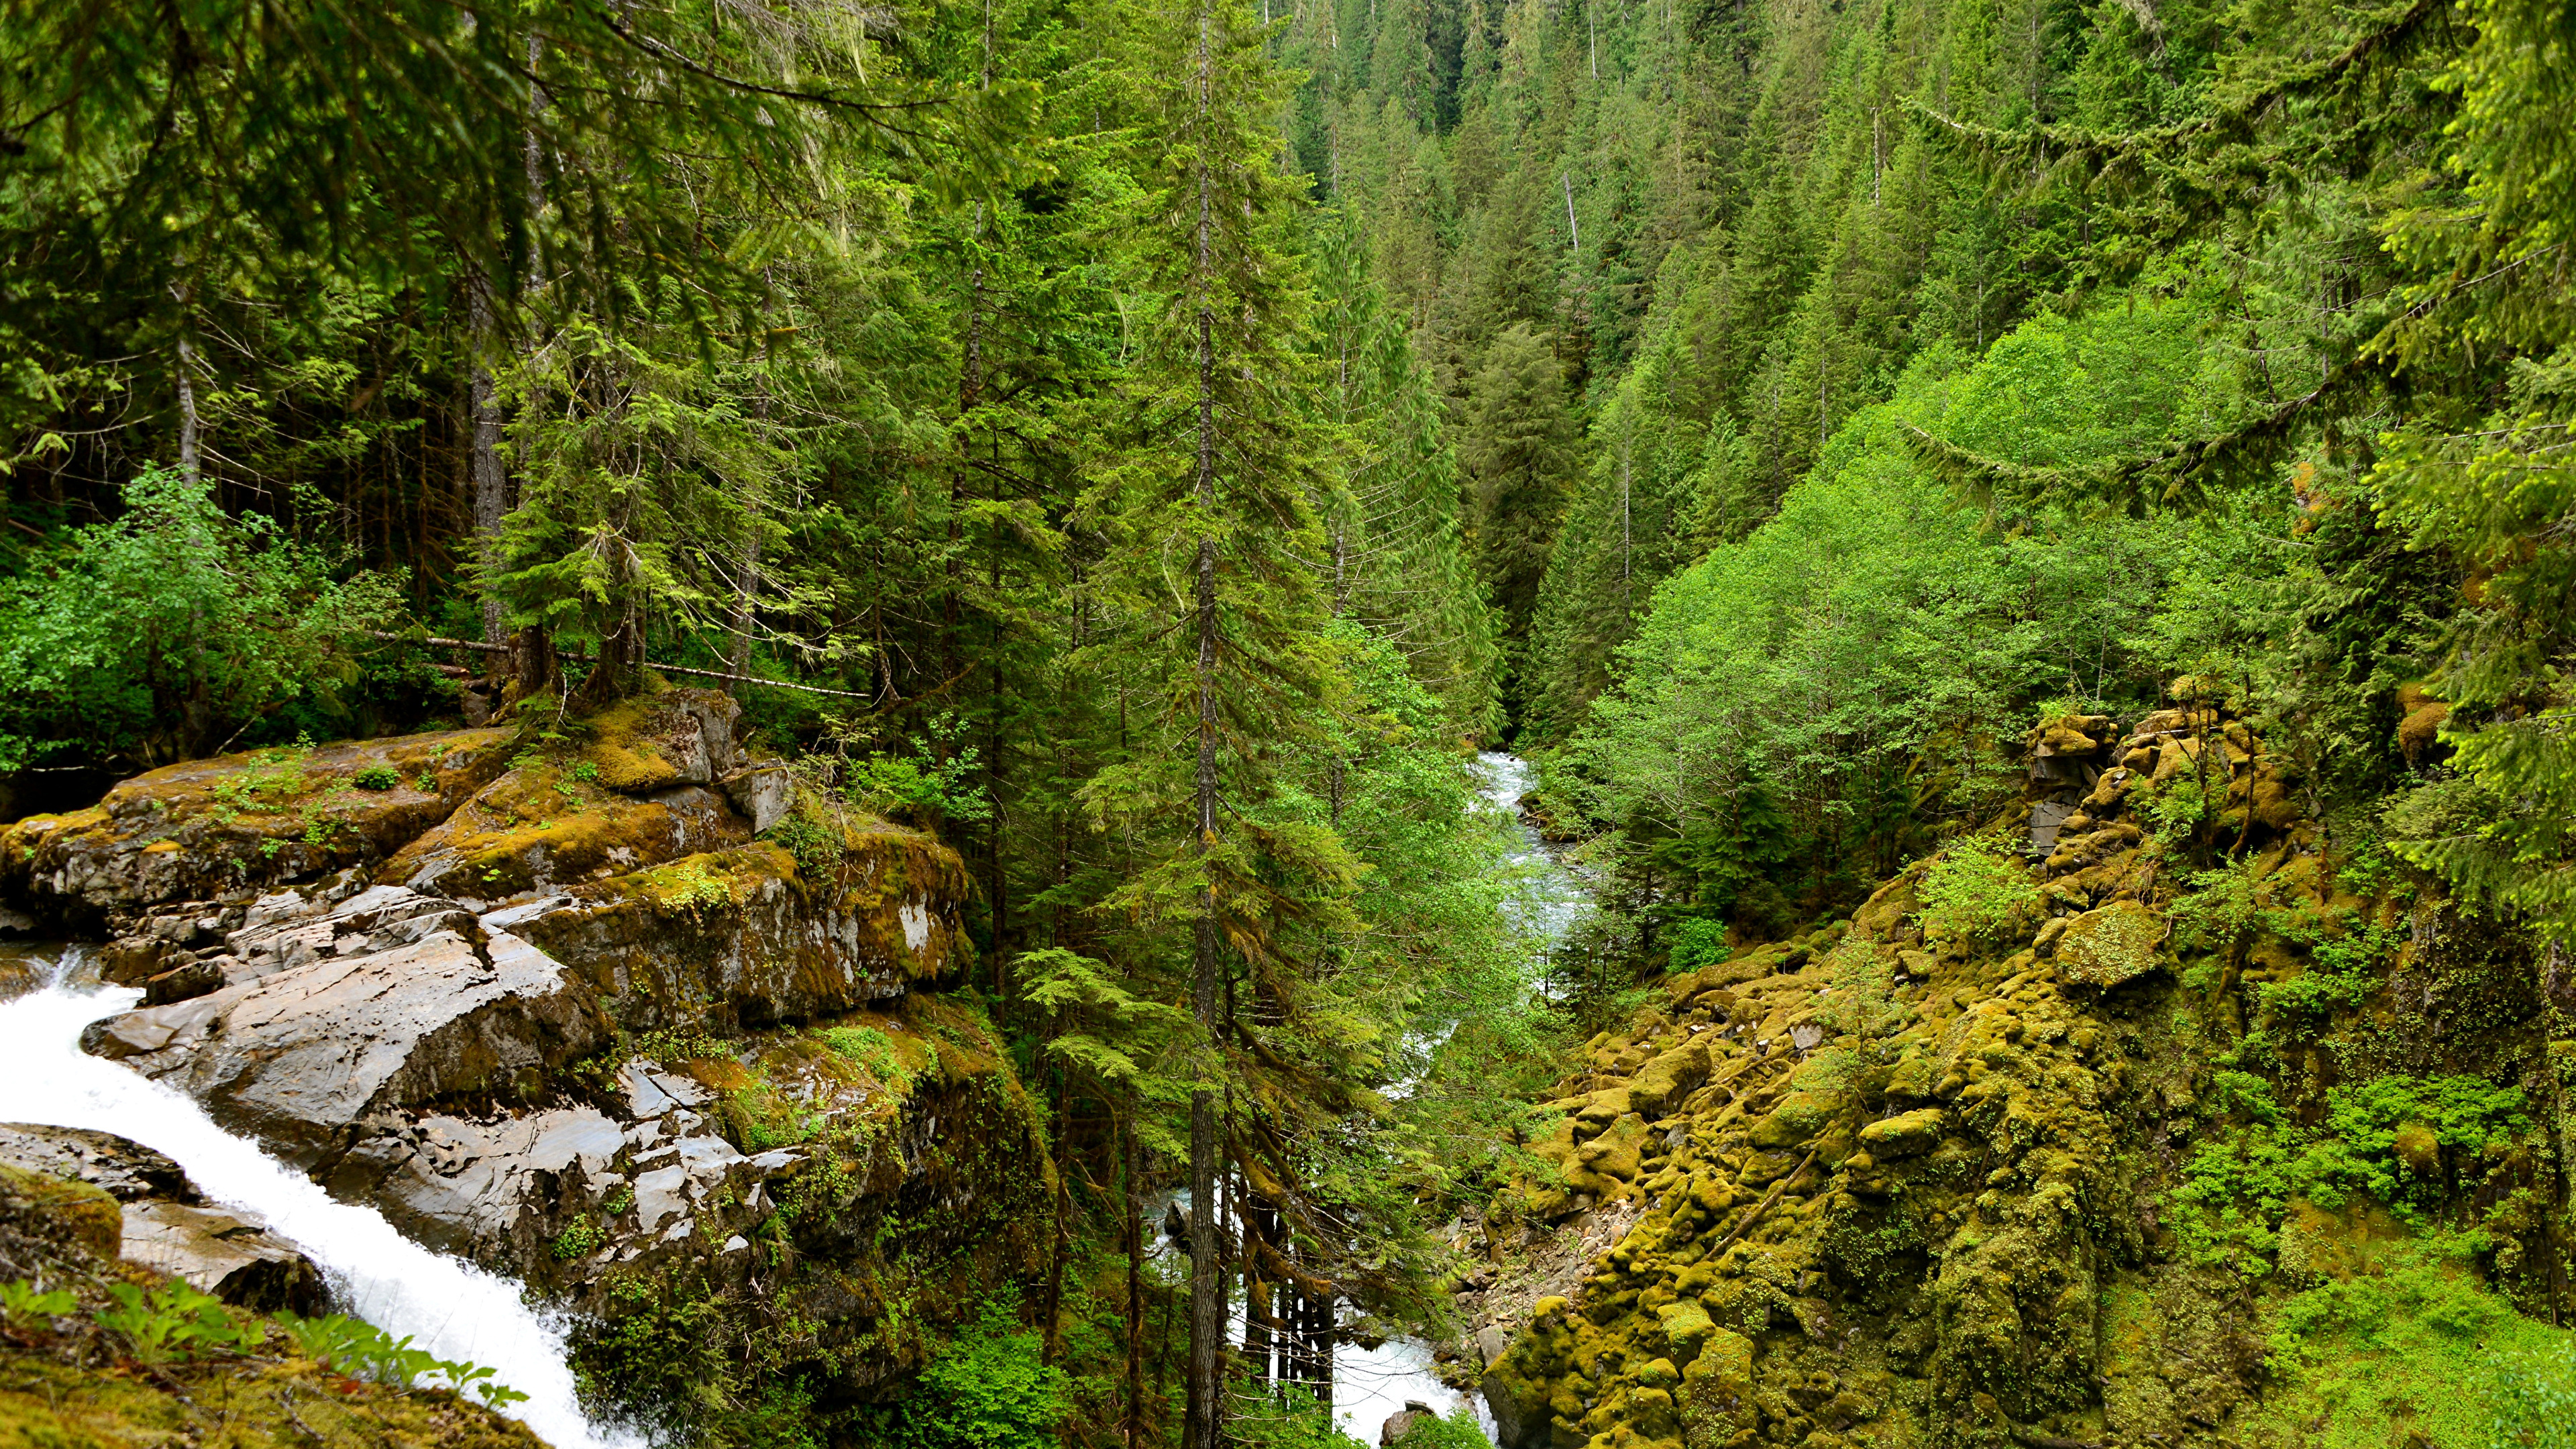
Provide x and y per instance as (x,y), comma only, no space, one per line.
(447,1306)
(1554,898)
(1372,1385)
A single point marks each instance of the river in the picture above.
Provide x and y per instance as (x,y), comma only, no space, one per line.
(1370,1385)
(447,1306)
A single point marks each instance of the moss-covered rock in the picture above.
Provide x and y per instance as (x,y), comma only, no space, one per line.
(237,824)
(2109,946)
(2034,1190)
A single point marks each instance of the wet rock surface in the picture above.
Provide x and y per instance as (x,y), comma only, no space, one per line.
(165,1223)
(567,1015)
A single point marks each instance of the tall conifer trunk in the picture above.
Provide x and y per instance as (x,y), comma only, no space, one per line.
(1207,1300)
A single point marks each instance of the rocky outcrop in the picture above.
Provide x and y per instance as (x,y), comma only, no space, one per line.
(235,824)
(1880,1184)
(616,1009)
(298,1055)
(164,1223)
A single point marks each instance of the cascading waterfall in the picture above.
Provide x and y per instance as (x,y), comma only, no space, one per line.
(447,1306)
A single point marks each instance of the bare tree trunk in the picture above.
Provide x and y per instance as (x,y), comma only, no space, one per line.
(1207,1291)
(188,467)
(491,485)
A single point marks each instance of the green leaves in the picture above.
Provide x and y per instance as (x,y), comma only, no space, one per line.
(174,1321)
(165,633)
(26,1306)
(363,1351)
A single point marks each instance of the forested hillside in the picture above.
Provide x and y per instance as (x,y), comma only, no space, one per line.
(2046,527)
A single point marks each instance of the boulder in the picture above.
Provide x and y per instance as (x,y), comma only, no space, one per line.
(1400,1425)
(1662,1083)
(167,1224)
(761,793)
(232,1256)
(744,937)
(652,742)
(541,827)
(127,1171)
(299,1056)
(209,827)
(1908,1134)
(2105,947)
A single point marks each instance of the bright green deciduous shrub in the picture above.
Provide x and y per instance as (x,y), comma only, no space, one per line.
(164,633)
(1973,889)
(991,1389)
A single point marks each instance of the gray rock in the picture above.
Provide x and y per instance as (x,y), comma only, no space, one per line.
(299,1056)
(468,1186)
(233,1256)
(127,1170)
(1491,1342)
(650,1091)
(167,1224)
(1397,1426)
(762,793)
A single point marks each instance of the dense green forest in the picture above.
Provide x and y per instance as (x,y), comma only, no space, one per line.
(1154,448)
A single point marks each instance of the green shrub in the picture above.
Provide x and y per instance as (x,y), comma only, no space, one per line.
(1974,889)
(24,1305)
(989,1389)
(2239,1182)
(579,1240)
(1696,941)
(2535,1403)
(164,632)
(377,777)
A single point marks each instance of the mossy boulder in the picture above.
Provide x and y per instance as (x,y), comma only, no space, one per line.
(1663,1082)
(59,1210)
(1686,1328)
(656,741)
(237,824)
(1908,1134)
(744,936)
(1799,1117)
(1717,1390)
(2107,947)
(543,825)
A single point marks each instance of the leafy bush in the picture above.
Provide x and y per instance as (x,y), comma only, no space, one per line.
(2238,1184)
(2344,956)
(170,630)
(376,777)
(990,1389)
(2535,1403)
(579,1240)
(889,784)
(1696,941)
(1974,889)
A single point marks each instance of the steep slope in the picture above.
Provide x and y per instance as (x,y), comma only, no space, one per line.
(2164,1118)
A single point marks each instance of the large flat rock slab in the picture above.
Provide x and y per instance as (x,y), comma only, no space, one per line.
(298,1056)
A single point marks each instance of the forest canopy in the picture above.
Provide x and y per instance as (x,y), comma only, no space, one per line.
(1155,450)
